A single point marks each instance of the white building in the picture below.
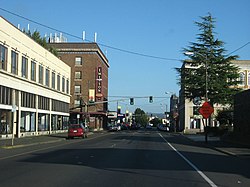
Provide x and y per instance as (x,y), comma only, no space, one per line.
(190,121)
(34,86)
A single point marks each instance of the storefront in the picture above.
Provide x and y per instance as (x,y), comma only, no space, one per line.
(6,122)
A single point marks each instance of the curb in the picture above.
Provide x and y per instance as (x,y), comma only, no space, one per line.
(212,147)
(31,144)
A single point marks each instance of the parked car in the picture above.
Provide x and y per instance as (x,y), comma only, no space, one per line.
(124,127)
(113,128)
(77,130)
(163,127)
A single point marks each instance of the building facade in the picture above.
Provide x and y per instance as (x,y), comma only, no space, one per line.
(34,86)
(89,85)
(190,120)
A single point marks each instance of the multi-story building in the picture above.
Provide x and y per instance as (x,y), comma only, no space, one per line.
(89,85)
(190,120)
(34,86)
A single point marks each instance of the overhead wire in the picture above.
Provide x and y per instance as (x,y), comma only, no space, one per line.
(105,45)
(101,44)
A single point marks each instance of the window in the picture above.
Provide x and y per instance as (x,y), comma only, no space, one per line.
(14,60)
(53,83)
(242,78)
(33,71)
(67,86)
(47,77)
(63,84)
(40,74)
(78,75)
(58,82)
(77,103)
(248,78)
(3,56)
(78,61)
(24,67)
(77,89)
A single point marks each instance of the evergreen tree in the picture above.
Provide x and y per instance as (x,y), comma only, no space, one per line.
(141,117)
(42,41)
(208,63)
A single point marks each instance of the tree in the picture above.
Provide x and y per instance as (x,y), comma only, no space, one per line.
(141,117)
(42,41)
(209,62)
(155,121)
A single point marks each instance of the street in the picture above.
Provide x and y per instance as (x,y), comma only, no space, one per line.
(125,158)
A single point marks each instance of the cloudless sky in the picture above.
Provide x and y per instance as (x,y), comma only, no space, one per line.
(159,28)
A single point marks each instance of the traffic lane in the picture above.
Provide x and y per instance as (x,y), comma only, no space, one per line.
(30,146)
(126,159)
(222,169)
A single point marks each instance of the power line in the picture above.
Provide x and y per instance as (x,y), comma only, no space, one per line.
(239,48)
(105,45)
(101,44)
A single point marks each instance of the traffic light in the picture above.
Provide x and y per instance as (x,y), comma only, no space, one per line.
(118,110)
(131,101)
(151,99)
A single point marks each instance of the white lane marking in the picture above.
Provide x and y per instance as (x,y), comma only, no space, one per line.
(209,181)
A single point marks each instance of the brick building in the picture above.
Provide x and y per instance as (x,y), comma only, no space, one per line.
(89,85)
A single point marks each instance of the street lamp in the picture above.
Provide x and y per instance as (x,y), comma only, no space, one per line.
(206,74)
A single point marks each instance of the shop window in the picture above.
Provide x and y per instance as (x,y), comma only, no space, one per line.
(5,122)
(43,122)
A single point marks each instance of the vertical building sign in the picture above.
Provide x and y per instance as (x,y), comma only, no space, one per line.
(98,83)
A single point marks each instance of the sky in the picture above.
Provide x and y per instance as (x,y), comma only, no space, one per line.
(153,32)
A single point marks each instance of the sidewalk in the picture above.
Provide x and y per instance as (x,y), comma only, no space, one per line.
(224,146)
(33,140)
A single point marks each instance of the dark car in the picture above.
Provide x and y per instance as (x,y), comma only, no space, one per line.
(77,130)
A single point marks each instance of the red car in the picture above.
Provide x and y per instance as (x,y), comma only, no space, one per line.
(76,130)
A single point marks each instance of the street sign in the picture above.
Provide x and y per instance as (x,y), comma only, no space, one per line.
(206,110)
(197,101)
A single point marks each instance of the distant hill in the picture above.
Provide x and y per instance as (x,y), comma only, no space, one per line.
(159,115)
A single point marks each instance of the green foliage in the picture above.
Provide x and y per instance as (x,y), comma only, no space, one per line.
(141,117)
(42,41)
(225,117)
(207,57)
(155,121)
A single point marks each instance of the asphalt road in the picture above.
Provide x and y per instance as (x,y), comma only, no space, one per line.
(126,158)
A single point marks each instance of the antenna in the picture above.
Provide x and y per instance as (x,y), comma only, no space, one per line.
(83,35)
(95,37)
